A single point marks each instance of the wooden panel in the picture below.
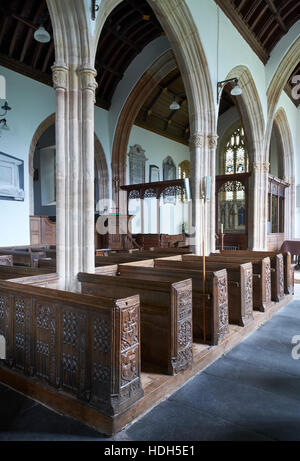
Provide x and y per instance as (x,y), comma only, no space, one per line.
(88,347)
(274,241)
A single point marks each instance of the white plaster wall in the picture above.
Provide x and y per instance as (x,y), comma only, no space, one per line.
(132,75)
(31,103)
(157,148)
(232,51)
(280,51)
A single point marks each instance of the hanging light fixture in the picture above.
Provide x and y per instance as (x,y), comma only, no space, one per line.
(41,35)
(174,105)
(236,90)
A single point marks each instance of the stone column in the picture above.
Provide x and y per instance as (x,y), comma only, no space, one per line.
(260,205)
(88,88)
(289,209)
(203,153)
(75,93)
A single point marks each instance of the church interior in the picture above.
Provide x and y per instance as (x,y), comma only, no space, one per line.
(150,219)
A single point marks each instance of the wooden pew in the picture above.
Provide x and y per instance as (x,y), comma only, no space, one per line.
(13,272)
(214,302)
(262,289)
(24,257)
(166,317)
(287,261)
(6,260)
(277,266)
(71,344)
(240,284)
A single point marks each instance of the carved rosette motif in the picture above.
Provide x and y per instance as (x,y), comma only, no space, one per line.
(223,307)
(197,140)
(184,352)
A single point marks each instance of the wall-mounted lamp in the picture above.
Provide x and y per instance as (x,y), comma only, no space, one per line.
(95,7)
(3,121)
(236,90)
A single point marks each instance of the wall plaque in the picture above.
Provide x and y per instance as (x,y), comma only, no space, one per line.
(11,178)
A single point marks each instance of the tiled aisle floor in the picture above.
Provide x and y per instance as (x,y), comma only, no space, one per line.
(251,393)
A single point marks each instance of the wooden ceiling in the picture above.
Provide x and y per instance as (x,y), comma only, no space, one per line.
(130,27)
(18,49)
(156,114)
(262,22)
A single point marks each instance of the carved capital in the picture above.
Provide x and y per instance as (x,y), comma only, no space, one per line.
(88,79)
(203,140)
(197,140)
(60,77)
(261,166)
(212,141)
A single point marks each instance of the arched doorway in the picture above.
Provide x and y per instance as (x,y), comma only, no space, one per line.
(176,20)
(42,168)
(240,153)
(281,183)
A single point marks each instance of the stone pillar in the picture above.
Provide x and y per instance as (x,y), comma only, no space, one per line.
(75,93)
(289,209)
(260,205)
(203,161)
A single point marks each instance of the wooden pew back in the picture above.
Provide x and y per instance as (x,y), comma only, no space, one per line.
(166,317)
(213,303)
(262,286)
(88,347)
(240,284)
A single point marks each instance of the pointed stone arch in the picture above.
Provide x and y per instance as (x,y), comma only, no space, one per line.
(38,133)
(277,84)
(282,124)
(250,108)
(100,162)
(179,26)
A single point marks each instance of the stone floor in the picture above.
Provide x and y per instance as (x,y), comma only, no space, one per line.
(251,393)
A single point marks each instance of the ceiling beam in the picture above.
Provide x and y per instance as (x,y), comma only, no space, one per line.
(29,34)
(235,17)
(276,13)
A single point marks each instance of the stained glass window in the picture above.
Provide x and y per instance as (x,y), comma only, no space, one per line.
(236,157)
(232,207)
